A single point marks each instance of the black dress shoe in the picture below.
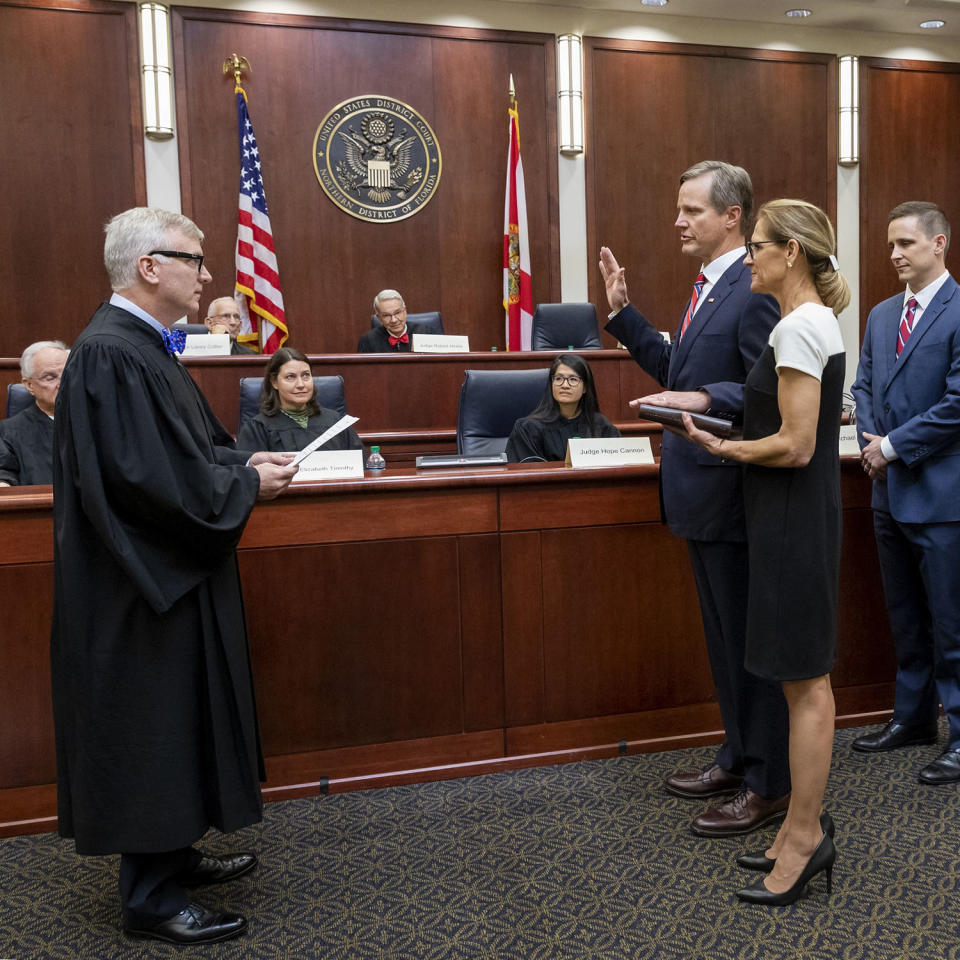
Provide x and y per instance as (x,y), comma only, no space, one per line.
(193,924)
(945,769)
(893,736)
(696,784)
(212,869)
(758,860)
(821,859)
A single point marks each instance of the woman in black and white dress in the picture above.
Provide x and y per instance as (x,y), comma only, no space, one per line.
(790,445)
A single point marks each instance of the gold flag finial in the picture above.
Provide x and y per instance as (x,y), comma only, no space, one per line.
(236,65)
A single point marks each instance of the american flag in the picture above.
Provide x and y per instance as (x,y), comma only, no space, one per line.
(257,289)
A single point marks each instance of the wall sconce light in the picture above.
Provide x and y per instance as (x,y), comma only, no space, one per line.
(156,73)
(570,92)
(848,136)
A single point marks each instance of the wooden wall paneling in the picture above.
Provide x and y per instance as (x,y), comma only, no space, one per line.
(619,635)
(654,109)
(445,257)
(521,590)
(481,631)
(27,754)
(71,150)
(908,151)
(356,662)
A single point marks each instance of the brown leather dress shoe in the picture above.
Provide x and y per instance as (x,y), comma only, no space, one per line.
(698,784)
(740,814)
(193,924)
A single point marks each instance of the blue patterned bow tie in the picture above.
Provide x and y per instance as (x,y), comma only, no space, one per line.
(174,340)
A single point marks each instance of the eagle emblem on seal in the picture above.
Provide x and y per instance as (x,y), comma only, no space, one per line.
(378,159)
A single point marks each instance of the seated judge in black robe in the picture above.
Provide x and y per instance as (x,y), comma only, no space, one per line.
(223,316)
(289,416)
(392,335)
(154,712)
(568,409)
(26,448)
(26,439)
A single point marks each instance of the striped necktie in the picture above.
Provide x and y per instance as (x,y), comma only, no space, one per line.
(906,325)
(697,289)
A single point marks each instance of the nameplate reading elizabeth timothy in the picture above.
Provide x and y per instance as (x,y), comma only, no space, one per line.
(376,158)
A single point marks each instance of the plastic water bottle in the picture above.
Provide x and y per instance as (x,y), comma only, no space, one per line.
(375,460)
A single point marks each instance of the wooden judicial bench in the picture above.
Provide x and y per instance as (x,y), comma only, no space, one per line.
(407,403)
(424,625)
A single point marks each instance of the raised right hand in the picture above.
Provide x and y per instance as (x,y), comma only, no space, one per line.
(613,279)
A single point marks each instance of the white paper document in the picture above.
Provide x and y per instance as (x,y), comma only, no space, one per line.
(341,425)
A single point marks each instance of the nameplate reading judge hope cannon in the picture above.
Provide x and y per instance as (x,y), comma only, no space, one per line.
(376,158)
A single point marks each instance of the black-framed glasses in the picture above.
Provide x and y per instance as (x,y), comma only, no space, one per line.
(753,245)
(180,255)
(574,381)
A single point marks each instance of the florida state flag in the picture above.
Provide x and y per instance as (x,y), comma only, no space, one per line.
(517,294)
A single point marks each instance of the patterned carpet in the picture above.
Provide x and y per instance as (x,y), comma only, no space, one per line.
(587,861)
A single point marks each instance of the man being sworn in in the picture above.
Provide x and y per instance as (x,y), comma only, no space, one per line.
(156,726)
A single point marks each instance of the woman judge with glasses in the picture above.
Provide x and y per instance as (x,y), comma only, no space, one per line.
(791,426)
(567,409)
(289,416)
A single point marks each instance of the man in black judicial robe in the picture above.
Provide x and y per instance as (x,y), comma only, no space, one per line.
(391,335)
(26,439)
(156,728)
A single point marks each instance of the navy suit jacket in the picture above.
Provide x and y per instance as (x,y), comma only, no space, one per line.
(914,399)
(701,494)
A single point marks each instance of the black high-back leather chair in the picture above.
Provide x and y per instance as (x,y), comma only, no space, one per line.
(328,392)
(418,322)
(562,326)
(18,398)
(192,327)
(491,402)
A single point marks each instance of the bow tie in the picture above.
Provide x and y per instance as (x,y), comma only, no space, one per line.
(174,340)
(395,340)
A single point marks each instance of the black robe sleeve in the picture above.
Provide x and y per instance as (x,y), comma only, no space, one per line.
(138,442)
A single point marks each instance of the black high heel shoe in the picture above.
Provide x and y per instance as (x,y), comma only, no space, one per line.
(821,859)
(758,860)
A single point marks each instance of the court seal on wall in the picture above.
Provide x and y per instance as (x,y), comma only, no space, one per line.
(377,158)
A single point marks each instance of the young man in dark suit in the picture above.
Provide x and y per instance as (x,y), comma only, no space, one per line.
(723,329)
(908,420)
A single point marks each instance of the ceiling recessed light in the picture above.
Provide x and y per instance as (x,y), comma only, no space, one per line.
(932,24)
(798,12)
(653,3)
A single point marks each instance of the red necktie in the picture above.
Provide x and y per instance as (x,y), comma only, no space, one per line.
(395,340)
(906,325)
(697,288)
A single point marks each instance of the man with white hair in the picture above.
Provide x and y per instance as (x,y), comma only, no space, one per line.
(154,711)
(223,316)
(392,335)
(26,439)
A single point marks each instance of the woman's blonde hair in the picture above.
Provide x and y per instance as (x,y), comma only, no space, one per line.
(812,230)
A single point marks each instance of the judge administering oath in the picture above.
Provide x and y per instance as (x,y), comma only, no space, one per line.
(154,711)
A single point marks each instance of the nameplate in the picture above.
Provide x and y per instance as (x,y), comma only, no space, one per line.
(849,445)
(440,343)
(610,452)
(330,465)
(207,345)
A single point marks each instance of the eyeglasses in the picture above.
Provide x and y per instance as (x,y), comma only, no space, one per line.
(179,255)
(225,316)
(574,381)
(394,315)
(754,245)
